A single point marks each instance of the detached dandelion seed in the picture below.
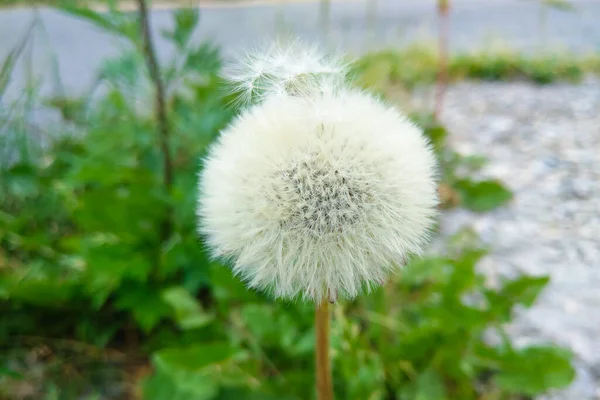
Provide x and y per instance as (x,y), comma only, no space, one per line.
(317,189)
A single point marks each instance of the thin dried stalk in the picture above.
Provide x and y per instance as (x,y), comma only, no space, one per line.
(323,364)
(442,78)
(160,108)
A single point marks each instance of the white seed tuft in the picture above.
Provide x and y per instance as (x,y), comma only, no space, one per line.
(316,192)
(294,69)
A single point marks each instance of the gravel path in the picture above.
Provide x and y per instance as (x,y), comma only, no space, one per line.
(544,142)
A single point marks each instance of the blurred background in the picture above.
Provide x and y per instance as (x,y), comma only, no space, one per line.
(106,291)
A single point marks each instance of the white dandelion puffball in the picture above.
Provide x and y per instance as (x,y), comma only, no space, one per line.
(317,189)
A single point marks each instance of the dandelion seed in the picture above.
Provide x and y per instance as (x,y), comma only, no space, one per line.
(317,189)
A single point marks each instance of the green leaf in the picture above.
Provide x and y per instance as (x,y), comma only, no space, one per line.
(115,22)
(286,331)
(5,371)
(534,370)
(430,387)
(41,290)
(174,385)
(194,372)
(109,262)
(482,196)
(464,276)
(432,129)
(525,289)
(421,271)
(144,303)
(22,180)
(186,20)
(246,394)
(127,70)
(188,312)
(197,358)
(227,287)
(99,19)
(205,60)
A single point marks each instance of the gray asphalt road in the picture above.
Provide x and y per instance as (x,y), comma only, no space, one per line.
(79,47)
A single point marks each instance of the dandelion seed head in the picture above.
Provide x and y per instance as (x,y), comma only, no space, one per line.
(317,193)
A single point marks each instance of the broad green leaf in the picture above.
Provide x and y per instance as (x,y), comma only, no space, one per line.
(206,358)
(421,271)
(535,370)
(186,20)
(227,287)
(45,291)
(168,384)
(110,264)
(23,180)
(144,303)
(430,387)
(464,276)
(188,312)
(10,373)
(482,196)
(204,60)
(247,394)
(524,290)
(127,70)
(272,328)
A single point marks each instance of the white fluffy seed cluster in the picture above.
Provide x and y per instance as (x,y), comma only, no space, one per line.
(316,189)
(292,69)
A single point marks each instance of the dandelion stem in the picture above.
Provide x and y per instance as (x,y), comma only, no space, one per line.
(323,364)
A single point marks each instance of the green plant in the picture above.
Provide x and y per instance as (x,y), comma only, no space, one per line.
(418,65)
(423,337)
(80,225)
